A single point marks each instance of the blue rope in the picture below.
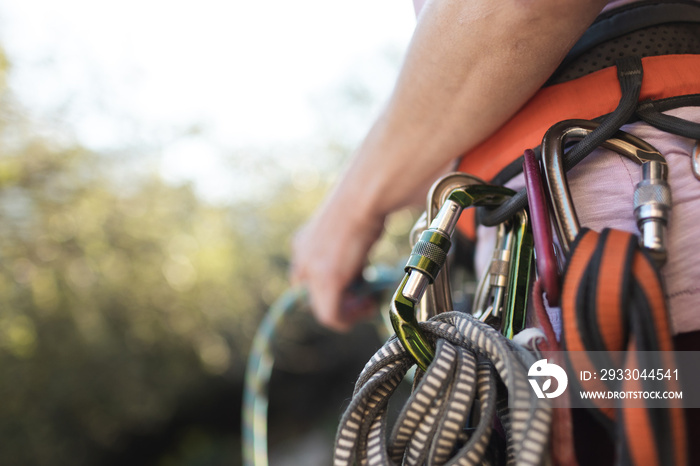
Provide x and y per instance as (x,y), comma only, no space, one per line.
(261,359)
(257,378)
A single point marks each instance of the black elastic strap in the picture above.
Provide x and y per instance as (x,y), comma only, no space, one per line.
(650,112)
(629,73)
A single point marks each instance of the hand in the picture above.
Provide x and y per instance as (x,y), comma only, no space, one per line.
(328,254)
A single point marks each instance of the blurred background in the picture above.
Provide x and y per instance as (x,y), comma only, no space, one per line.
(155,158)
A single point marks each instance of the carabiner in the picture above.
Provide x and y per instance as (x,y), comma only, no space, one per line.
(547,263)
(502,295)
(491,293)
(439,295)
(652,196)
(521,265)
(427,259)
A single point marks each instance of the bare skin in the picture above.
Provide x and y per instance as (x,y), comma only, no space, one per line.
(470,66)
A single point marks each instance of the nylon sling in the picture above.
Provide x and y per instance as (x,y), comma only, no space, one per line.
(477,376)
(612,300)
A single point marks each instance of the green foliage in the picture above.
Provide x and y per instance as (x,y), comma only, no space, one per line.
(121,299)
(116,300)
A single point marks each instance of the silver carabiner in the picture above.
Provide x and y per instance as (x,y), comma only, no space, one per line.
(492,288)
(652,196)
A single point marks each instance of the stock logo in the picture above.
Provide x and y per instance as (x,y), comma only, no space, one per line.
(542,369)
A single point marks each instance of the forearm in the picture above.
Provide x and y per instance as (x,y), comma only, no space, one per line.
(470,66)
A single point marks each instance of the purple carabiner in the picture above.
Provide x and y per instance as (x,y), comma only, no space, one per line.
(547,266)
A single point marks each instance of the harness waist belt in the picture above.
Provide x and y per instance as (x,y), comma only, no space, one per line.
(588,97)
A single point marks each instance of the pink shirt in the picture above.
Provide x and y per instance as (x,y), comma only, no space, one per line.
(418,4)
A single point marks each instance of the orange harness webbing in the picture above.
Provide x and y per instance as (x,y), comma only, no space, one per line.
(588,97)
(612,301)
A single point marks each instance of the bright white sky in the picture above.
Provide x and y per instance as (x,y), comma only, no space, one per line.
(142,70)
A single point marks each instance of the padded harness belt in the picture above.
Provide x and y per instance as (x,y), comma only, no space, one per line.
(589,97)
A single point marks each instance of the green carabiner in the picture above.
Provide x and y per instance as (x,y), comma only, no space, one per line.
(427,259)
(521,267)
(502,294)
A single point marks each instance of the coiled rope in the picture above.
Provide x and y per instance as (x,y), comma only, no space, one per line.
(477,378)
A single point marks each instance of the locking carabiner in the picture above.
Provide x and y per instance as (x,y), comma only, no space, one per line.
(427,259)
(439,295)
(652,195)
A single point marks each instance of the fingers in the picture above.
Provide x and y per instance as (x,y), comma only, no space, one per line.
(342,314)
(327,256)
(325,295)
(355,308)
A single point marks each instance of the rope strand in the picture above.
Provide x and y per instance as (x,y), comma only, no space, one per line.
(458,389)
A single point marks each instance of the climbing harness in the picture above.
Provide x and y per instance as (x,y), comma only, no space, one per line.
(629,71)
(647,87)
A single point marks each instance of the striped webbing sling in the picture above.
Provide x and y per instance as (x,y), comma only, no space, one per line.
(477,376)
(612,300)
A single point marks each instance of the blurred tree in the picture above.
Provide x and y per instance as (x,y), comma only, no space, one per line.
(127,308)
(117,300)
